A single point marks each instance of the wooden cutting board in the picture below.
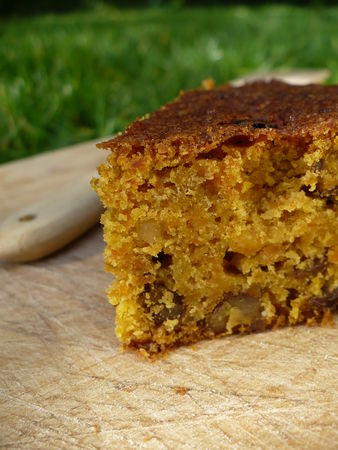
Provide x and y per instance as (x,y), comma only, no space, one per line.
(64,383)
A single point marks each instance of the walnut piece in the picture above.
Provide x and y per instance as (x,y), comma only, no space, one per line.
(149,231)
(234,310)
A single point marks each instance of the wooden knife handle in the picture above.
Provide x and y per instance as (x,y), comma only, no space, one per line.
(47,225)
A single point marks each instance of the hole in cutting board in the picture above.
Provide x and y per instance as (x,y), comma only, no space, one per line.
(27,217)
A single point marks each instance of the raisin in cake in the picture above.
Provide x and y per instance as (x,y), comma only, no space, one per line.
(221,214)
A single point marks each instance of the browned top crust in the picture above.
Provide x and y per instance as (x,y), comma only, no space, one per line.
(201,117)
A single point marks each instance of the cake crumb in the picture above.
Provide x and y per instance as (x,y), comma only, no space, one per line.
(181,390)
(96,428)
(208,84)
(327,319)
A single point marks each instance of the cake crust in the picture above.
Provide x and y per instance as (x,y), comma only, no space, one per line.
(205,117)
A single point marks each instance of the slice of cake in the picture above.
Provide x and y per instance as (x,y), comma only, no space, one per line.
(221,214)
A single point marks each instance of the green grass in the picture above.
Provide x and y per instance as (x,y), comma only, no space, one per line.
(69,78)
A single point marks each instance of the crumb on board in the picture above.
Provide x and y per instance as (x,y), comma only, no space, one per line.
(96,428)
(180,390)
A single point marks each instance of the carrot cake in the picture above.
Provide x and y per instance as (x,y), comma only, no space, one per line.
(221,214)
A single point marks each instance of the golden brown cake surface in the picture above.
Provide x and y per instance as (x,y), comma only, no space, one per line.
(221,214)
(201,117)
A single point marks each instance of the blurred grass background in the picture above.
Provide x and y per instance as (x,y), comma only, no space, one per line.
(79,75)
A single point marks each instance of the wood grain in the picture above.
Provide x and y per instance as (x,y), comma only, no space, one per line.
(64,383)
